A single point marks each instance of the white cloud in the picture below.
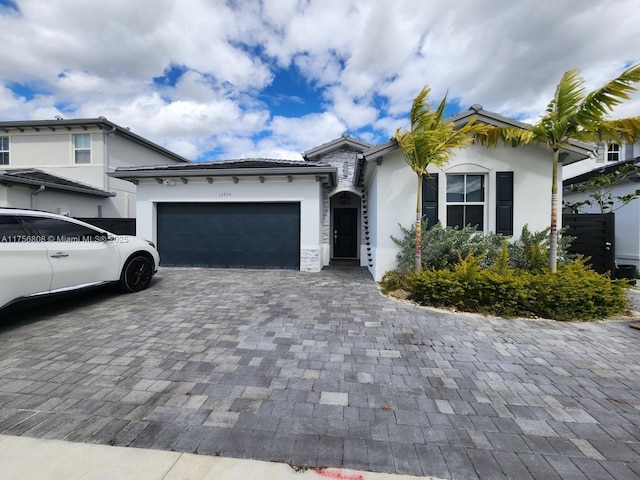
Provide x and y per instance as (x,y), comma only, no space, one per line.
(367,61)
(307,130)
(356,113)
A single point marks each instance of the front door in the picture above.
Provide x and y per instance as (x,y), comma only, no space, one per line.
(345,232)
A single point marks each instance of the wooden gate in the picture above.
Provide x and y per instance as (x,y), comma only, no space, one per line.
(595,233)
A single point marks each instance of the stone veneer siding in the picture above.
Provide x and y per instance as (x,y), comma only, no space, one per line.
(310,260)
(336,159)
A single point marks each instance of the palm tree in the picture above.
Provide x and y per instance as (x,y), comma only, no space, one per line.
(431,140)
(574,115)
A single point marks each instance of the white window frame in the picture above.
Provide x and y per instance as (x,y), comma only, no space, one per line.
(617,152)
(4,150)
(482,227)
(79,152)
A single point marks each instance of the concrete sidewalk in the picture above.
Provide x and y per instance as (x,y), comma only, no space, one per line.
(23,457)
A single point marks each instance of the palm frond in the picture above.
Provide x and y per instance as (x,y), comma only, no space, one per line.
(600,102)
(432,139)
(494,136)
(568,97)
(628,129)
(420,109)
(440,110)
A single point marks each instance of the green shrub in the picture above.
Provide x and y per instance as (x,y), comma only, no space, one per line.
(575,292)
(531,251)
(442,247)
(393,280)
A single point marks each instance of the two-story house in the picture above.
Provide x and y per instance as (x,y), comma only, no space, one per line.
(61,166)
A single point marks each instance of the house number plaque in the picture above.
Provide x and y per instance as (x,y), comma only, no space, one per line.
(224,194)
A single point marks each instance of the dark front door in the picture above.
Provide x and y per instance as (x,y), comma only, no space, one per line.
(345,232)
(239,235)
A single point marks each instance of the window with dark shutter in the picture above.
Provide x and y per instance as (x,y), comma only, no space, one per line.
(504,203)
(430,199)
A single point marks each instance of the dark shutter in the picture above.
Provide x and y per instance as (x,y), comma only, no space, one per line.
(430,199)
(504,203)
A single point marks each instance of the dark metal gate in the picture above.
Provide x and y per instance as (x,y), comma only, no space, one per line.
(119,226)
(595,238)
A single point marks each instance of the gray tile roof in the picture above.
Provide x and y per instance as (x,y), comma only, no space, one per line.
(242,163)
(244,167)
(604,169)
(344,140)
(83,124)
(35,177)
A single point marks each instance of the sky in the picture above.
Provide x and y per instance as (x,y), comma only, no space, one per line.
(215,79)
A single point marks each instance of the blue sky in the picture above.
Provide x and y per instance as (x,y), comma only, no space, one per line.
(214,79)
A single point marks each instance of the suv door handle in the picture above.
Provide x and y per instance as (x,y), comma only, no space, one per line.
(59,255)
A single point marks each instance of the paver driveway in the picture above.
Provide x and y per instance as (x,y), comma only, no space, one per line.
(321,370)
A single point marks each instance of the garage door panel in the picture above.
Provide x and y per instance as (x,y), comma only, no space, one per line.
(242,235)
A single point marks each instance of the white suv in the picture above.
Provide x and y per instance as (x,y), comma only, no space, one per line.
(43,253)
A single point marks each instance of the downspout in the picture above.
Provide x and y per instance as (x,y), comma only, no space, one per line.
(106,156)
(106,162)
(33,196)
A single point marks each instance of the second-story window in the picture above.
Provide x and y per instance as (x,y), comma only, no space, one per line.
(4,150)
(82,148)
(613,152)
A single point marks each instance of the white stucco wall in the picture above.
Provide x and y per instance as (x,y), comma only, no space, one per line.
(70,204)
(392,187)
(303,189)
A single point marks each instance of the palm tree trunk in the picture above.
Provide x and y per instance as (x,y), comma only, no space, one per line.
(553,232)
(418,259)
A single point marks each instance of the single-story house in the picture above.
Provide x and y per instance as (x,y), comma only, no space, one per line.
(343,201)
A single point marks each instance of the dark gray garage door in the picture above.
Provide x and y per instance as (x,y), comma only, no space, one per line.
(243,235)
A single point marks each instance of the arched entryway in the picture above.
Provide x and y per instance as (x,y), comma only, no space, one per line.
(345,226)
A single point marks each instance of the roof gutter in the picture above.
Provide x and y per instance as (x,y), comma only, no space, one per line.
(53,186)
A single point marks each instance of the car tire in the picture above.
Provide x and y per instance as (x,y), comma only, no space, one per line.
(136,274)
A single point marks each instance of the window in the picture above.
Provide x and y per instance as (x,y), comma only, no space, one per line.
(55,230)
(4,150)
(613,152)
(465,201)
(11,230)
(82,148)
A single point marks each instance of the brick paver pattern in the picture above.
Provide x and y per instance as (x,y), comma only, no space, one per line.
(320,369)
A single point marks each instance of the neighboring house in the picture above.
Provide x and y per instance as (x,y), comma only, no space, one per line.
(79,152)
(345,201)
(606,154)
(627,217)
